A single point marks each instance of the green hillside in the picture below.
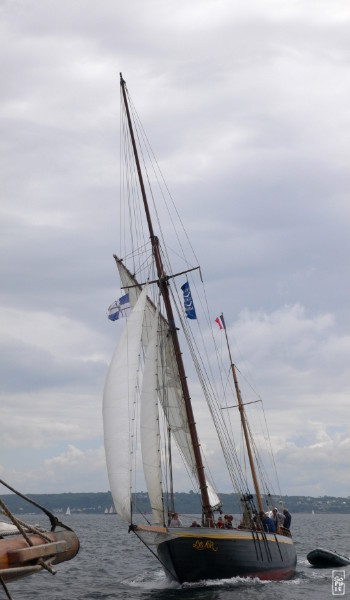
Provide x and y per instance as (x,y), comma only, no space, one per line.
(185,503)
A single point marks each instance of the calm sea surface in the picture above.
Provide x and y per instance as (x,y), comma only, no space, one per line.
(114,564)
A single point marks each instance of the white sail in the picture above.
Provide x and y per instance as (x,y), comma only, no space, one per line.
(174,408)
(168,376)
(130,285)
(118,402)
(150,436)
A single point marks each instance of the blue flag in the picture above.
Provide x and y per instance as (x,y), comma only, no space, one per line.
(119,308)
(188,302)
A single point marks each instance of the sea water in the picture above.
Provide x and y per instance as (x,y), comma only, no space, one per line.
(113,563)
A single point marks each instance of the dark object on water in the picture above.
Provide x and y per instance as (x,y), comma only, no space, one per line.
(320,557)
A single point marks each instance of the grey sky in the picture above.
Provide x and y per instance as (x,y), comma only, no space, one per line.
(246,105)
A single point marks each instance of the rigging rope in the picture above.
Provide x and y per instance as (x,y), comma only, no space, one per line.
(6,590)
(204,370)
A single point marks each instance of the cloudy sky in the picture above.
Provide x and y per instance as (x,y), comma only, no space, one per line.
(246,104)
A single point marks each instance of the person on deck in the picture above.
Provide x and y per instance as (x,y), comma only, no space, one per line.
(195,524)
(175,521)
(220,523)
(228,522)
(287,518)
(278,519)
(267,523)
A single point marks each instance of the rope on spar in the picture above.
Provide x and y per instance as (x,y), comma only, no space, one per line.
(5,588)
(22,531)
(15,521)
(33,529)
(53,520)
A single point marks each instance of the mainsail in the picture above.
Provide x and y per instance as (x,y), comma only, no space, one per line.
(149,420)
(170,391)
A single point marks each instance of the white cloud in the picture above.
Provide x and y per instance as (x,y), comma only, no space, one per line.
(318,464)
(72,471)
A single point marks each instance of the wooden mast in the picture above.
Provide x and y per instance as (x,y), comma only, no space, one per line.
(163,284)
(244,423)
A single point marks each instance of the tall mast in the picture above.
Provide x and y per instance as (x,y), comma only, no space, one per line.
(163,285)
(244,423)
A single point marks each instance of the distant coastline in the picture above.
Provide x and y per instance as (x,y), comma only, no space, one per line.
(185,502)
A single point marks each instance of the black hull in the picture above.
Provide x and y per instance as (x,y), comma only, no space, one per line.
(191,557)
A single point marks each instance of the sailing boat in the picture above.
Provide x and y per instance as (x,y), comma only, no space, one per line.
(111,511)
(68,511)
(148,411)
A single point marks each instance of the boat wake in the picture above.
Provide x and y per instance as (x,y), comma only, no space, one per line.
(151,580)
(157,580)
(233,581)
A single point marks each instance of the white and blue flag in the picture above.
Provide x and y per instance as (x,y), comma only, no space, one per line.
(120,308)
(188,302)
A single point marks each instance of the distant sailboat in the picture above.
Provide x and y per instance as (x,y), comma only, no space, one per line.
(68,511)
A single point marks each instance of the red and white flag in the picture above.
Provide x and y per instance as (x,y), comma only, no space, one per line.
(220,321)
